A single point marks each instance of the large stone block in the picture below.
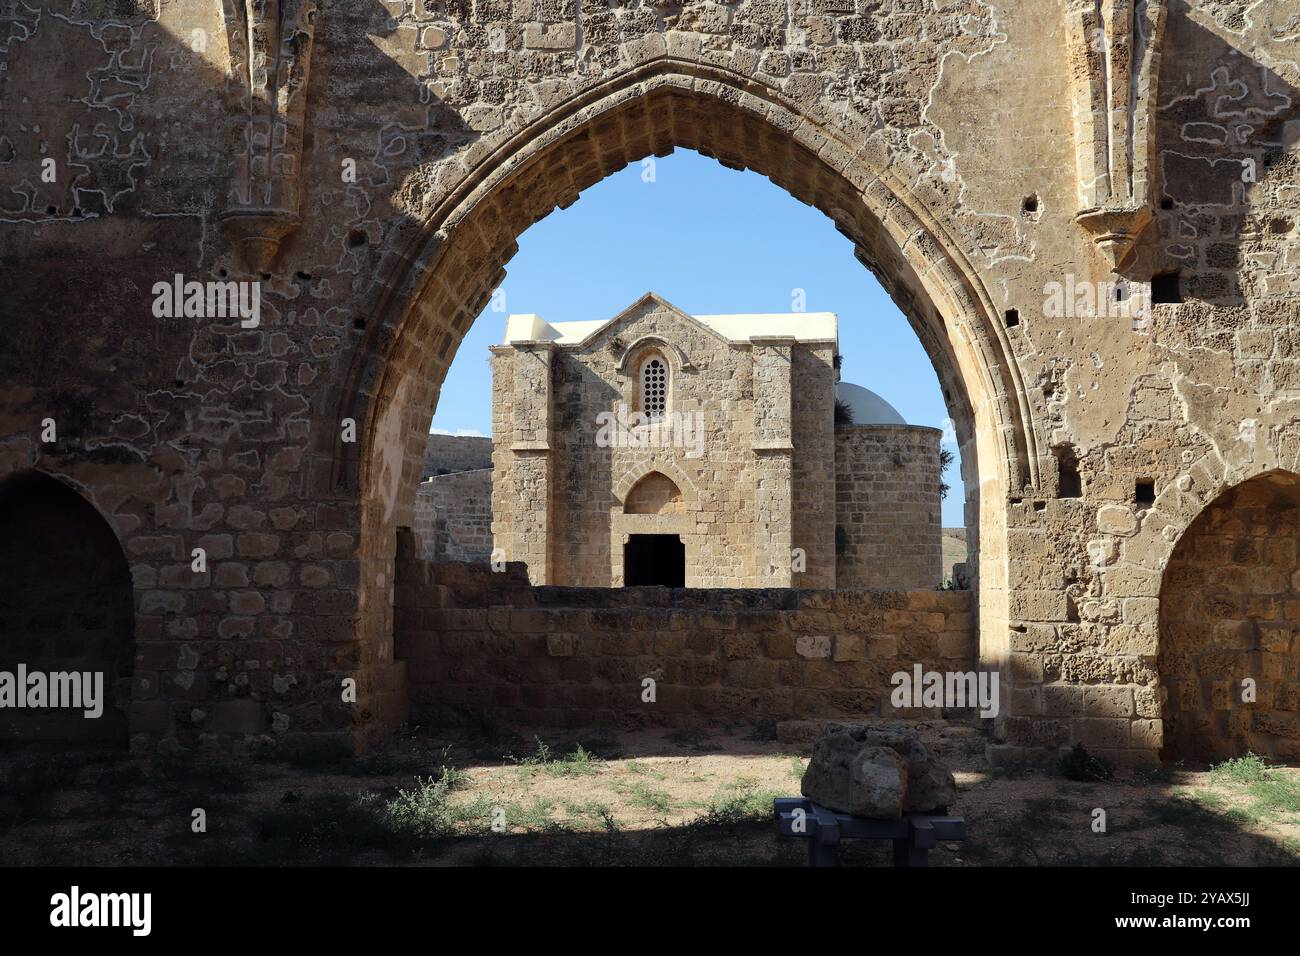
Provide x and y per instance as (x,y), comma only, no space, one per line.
(878,773)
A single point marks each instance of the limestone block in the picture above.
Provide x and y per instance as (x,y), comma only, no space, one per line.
(875,773)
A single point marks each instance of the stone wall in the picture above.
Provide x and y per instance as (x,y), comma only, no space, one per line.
(448,454)
(485,644)
(887,507)
(453,516)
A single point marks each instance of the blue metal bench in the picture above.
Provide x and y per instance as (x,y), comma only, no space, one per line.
(913,834)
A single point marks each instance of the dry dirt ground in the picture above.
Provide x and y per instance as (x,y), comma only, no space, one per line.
(700,797)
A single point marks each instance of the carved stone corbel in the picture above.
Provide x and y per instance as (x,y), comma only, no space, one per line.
(1114,59)
(270,45)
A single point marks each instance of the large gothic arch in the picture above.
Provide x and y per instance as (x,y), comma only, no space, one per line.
(429,293)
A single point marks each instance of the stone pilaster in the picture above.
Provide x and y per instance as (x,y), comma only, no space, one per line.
(773,461)
(533,459)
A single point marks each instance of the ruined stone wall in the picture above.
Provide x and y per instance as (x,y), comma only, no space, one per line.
(447,454)
(480,644)
(374,184)
(888,506)
(453,516)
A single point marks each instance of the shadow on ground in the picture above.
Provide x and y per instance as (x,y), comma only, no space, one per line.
(596,798)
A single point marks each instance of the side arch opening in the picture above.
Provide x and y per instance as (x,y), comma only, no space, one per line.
(1229,657)
(66,608)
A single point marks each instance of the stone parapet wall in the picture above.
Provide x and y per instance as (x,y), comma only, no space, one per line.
(887,504)
(483,644)
(448,454)
(453,516)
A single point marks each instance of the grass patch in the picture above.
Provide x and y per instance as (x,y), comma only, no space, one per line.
(734,805)
(641,795)
(1276,794)
(1242,770)
(579,763)
(1273,791)
(533,817)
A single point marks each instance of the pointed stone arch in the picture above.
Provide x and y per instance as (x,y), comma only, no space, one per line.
(427,294)
(654,493)
(654,465)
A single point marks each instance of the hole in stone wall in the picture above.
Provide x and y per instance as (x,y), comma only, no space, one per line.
(1013,317)
(1166,287)
(1144,492)
(1069,484)
(1166,202)
(1030,206)
(356,238)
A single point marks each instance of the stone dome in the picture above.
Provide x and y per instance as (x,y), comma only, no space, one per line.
(867,407)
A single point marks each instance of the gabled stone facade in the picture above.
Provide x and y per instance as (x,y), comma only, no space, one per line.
(727,461)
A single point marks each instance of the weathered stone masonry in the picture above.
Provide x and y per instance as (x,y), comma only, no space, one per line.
(453,516)
(483,644)
(972,152)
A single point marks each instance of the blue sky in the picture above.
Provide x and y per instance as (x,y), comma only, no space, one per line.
(710,240)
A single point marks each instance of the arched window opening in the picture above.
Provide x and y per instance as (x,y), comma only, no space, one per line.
(654,388)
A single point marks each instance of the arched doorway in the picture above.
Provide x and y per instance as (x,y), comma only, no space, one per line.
(426,297)
(655,554)
(1229,656)
(66,606)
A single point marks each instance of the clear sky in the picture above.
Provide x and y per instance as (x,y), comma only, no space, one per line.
(709,240)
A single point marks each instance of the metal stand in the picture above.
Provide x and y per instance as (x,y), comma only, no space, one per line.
(913,834)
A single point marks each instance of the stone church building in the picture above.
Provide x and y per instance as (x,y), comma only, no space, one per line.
(1131,480)
(658,447)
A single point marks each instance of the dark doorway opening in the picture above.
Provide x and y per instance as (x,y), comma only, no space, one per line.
(66,607)
(650,559)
